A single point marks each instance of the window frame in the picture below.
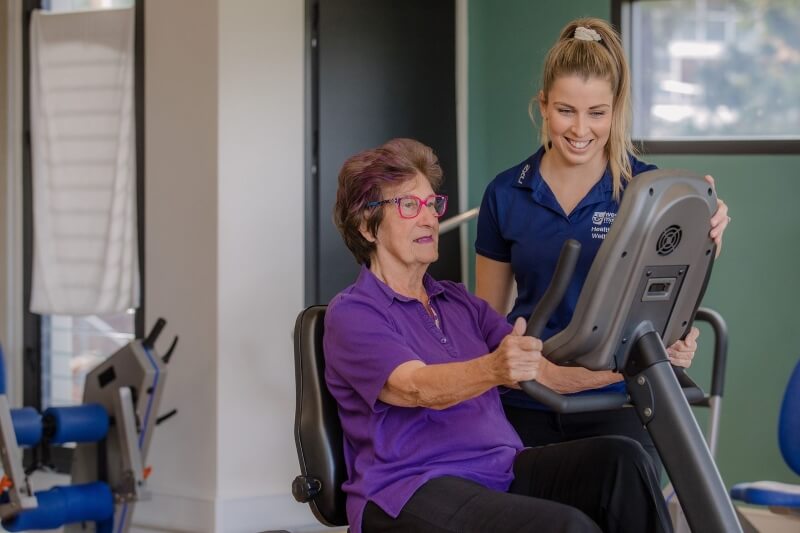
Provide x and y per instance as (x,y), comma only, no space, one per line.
(60,457)
(705,147)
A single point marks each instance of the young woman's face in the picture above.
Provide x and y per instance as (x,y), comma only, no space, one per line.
(577,116)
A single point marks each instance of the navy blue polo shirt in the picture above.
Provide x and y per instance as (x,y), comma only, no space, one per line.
(522,223)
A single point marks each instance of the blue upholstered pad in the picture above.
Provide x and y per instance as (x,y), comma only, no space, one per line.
(769,493)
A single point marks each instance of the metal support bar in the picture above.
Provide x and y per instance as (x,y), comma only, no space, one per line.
(130,485)
(712,432)
(453,222)
(678,439)
(19,493)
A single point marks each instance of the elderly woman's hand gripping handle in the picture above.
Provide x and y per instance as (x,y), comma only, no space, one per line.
(518,358)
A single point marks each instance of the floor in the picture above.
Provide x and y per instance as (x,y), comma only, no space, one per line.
(762,519)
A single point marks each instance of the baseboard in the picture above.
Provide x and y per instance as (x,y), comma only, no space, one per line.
(766,521)
(178,514)
(171,513)
(275,512)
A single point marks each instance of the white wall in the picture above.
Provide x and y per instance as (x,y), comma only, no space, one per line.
(11,195)
(181,243)
(3,171)
(260,260)
(224,258)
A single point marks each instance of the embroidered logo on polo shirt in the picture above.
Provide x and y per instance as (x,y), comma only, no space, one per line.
(601,223)
(524,172)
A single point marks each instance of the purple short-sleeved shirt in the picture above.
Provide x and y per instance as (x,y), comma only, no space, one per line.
(391,451)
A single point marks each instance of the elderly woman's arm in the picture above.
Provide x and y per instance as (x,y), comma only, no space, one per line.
(438,386)
(565,379)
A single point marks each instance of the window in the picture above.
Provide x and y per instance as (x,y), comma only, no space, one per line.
(77,5)
(72,345)
(61,349)
(714,69)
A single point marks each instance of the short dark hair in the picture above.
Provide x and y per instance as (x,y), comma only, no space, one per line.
(363,178)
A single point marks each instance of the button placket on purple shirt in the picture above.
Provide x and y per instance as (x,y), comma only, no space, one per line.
(438,332)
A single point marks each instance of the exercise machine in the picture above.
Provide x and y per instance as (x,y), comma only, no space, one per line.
(112,431)
(641,295)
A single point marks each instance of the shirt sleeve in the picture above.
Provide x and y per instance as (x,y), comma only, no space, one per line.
(362,348)
(490,242)
(494,326)
(638,166)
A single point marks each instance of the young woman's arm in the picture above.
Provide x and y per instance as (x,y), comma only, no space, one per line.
(493,283)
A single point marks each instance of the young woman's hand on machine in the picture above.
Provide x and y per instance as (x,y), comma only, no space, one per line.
(719,221)
(682,352)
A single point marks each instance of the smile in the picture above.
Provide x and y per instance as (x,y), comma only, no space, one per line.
(578,144)
(424,240)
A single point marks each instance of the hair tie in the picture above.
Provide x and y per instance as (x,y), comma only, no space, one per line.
(586,34)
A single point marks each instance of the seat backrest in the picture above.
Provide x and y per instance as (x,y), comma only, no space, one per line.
(317,430)
(789,424)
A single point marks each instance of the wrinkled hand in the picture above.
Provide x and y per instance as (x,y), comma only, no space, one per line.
(682,352)
(518,357)
(719,221)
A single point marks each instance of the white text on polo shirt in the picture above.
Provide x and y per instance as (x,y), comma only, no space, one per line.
(525,170)
(601,222)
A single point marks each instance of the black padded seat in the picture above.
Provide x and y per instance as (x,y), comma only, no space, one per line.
(317,430)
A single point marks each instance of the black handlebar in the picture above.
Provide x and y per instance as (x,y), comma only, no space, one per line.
(694,394)
(720,329)
(555,291)
(541,314)
(150,340)
(573,404)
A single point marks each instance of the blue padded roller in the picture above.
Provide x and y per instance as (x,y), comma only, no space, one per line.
(65,505)
(27,426)
(80,423)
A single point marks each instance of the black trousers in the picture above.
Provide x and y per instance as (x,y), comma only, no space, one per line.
(598,484)
(538,428)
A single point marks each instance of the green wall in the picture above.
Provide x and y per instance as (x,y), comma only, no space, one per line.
(754,287)
(507,43)
(508,40)
(753,283)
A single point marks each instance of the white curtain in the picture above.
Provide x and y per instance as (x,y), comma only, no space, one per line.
(84,163)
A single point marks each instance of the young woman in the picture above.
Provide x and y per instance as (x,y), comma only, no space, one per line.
(570,188)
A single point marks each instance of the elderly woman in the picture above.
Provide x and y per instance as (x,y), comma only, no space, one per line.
(415,366)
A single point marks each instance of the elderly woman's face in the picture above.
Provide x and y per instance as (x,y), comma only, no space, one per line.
(408,242)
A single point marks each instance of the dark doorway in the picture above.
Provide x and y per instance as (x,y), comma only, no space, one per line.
(378,69)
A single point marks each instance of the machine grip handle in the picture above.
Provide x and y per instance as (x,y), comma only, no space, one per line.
(150,340)
(720,328)
(573,404)
(555,291)
(694,394)
(565,267)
